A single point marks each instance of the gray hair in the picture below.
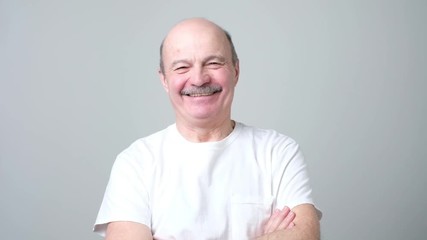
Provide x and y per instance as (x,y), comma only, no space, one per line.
(234,57)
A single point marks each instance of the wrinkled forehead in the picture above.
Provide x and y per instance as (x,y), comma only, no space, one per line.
(194,40)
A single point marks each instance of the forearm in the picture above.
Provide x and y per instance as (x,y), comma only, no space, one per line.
(305,226)
(127,231)
(306,232)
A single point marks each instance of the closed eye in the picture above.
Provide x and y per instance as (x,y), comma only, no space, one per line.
(181,69)
(215,65)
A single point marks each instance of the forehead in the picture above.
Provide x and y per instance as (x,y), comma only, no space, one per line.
(195,41)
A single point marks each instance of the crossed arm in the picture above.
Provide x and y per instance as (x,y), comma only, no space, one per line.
(127,231)
(300,223)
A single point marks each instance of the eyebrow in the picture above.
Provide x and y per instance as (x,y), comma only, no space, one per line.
(174,63)
(207,59)
(214,57)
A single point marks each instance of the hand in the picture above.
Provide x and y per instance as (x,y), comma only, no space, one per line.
(279,220)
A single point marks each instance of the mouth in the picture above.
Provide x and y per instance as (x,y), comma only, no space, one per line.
(201,91)
(199,94)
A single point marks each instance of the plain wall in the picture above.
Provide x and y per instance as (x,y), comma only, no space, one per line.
(346,79)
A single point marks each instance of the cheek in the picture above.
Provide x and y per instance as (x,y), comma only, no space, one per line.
(177,83)
(226,79)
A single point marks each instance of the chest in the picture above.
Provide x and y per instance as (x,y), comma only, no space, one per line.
(210,195)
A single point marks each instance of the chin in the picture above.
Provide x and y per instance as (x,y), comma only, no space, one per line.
(203,116)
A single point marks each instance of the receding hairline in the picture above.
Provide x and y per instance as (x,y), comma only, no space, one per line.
(234,57)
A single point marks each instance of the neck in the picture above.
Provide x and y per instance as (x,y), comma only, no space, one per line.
(203,133)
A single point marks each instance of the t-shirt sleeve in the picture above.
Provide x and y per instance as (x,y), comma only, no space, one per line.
(126,197)
(290,177)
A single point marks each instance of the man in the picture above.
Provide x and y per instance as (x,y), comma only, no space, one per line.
(207,176)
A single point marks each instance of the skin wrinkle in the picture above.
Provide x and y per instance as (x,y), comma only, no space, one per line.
(210,60)
(205,115)
(197,53)
(234,57)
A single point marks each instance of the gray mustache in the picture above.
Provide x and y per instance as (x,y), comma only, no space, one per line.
(201,90)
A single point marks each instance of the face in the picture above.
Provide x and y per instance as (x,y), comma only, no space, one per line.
(199,75)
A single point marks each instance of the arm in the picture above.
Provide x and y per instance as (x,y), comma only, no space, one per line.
(305,225)
(280,219)
(128,231)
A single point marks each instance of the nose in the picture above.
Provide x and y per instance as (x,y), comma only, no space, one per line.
(200,77)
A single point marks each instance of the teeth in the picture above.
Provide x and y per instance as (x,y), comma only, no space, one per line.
(199,94)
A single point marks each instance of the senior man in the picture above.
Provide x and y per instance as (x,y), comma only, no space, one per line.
(207,176)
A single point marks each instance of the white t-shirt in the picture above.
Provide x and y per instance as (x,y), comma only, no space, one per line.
(213,190)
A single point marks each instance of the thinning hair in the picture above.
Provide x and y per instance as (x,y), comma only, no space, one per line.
(234,57)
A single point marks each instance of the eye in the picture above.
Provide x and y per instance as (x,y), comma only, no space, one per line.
(181,69)
(214,64)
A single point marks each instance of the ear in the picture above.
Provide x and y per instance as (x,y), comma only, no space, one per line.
(163,80)
(236,72)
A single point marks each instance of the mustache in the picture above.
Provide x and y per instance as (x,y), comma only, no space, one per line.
(203,90)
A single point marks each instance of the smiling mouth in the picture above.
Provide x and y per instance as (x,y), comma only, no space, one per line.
(201,94)
(201,91)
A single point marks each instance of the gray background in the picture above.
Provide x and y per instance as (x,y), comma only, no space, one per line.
(346,79)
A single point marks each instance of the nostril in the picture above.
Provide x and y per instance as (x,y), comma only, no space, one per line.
(200,79)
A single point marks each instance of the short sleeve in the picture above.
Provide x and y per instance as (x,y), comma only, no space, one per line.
(126,197)
(290,176)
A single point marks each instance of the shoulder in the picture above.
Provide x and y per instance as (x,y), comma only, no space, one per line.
(151,141)
(266,136)
(271,144)
(143,149)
